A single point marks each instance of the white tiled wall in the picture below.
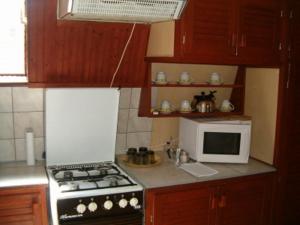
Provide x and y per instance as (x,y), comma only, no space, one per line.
(20,108)
(133,131)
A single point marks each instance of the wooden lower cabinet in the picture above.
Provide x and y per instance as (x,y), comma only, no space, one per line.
(186,205)
(23,206)
(240,201)
(246,202)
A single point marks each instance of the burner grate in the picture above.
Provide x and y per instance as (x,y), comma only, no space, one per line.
(84,172)
(94,183)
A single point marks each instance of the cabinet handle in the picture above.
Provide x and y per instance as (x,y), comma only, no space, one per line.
(233,40)
(183,39)
(151,219)
(289,76)
(214,203)
(243,41)
(222,202)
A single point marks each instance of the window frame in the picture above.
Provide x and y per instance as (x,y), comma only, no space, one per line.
(17,83)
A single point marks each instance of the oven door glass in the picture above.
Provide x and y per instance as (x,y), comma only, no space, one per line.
(221,143)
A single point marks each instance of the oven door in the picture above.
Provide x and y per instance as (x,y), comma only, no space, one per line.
(126,219)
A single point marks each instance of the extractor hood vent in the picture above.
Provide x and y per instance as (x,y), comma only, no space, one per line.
(138,11)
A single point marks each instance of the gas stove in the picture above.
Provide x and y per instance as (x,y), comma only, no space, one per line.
(85,185)
(85,191)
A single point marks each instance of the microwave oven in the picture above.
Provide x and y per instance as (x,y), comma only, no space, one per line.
(226,141)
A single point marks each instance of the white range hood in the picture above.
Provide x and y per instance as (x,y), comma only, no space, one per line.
(137,11)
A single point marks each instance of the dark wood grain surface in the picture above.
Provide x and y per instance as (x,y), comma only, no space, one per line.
(77,53)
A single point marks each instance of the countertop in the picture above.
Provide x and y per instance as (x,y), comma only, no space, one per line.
(167,174)
(13,174)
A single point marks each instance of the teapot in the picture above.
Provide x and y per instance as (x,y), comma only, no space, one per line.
(204,103)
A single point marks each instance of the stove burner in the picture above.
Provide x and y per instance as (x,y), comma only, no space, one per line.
(113,180)
(99,171)
(69,186)
(68,175)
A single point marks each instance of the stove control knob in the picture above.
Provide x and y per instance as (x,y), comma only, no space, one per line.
(92,206)
(123,203)
(108,204)
(134,202)
(81,208)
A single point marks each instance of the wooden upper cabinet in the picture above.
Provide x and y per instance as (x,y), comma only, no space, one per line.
(79,53)
(258,31)
(229,32)
(206,29)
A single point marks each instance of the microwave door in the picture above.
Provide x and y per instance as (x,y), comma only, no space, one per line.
(225,143)
(221,143)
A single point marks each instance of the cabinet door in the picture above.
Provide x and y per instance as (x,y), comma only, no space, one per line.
(207,30)
(246,202)
(173,206)
(23,206)
(291,156)
(258,31)
(79,53)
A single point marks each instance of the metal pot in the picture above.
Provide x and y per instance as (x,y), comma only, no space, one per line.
(204,103)
(206,106)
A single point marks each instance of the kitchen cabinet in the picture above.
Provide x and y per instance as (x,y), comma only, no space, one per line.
(206,29)
(258,32)
(65,53)
(239,201)
(190,205)
(289,156)
(23,206)
(245,202)
(242,32)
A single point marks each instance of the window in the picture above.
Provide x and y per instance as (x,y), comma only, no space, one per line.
(12,41)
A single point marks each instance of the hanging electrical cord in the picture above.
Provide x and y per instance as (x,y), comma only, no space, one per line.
(122,56)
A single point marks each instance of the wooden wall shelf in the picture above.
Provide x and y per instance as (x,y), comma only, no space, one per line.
(195,114)
(198,85)
(237,96)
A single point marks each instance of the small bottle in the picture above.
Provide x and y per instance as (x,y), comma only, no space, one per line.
(184,157)
(167,149)
(131,153)
(151,157)
(138,158)
(178,153)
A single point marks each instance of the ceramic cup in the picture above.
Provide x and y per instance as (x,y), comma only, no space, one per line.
(226,106)
(165,106)
(184,77)
(185,106)
(215,78)
(161,77)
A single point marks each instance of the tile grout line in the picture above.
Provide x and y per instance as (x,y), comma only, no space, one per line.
(126,136)
(13,120)
(28,111)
